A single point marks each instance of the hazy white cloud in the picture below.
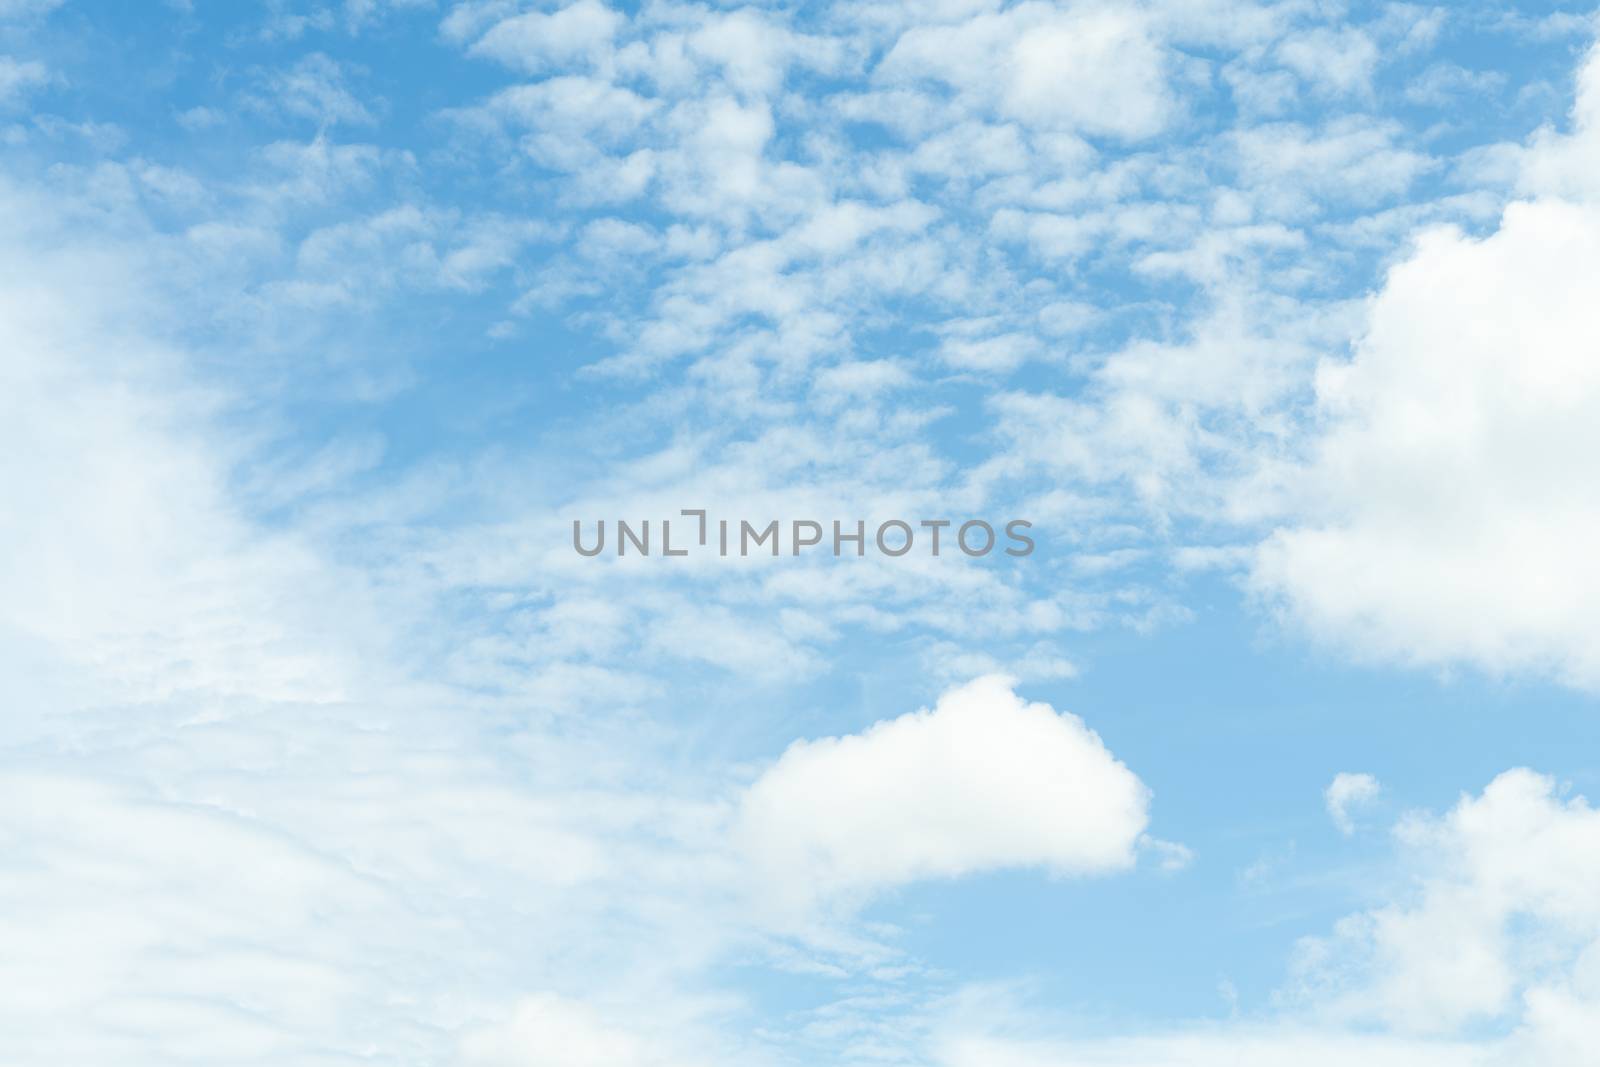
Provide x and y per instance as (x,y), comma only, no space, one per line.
(17,77)
(315,88)
(1262,1046)
(1346,792)
(19,9)
(1443,84)
(553,1031)
(546,1030)
(124,554)
(291,20)
(132,911)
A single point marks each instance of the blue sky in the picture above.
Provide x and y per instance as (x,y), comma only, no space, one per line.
(322,322)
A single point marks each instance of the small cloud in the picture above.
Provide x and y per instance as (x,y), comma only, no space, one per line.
(315,88)
(200,118)
(17,78)
(1170,856)
(982,781)
(24,9)
(1349,791)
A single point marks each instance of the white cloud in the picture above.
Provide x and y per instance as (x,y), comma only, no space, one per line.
(200,118)
(383,830)
(1504,919)
(1093,68)
(17,77)
(283,23)
(966,348)
(115,914)
(981,781)
(124,554)
(315,88)
(407,246)
(535,41)
(360,13)
(1289,167)
(1334,61)
(552,1031)
(1490,959)
(1256,1047)
(1449,514)
(753,52)
(1443,84)
(1348,791)
(21,9)
(1096,70)
(1568,165)
(571,118)
(547,1030)
(534,858)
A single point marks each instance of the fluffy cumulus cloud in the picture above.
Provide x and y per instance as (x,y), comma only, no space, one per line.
(1503,925)
(981,781)
(1448,515)
(1490,958)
